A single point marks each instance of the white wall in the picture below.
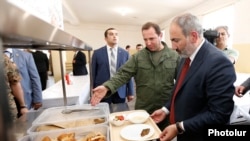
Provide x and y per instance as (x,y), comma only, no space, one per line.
(201,10)
(93,34)
(242,22)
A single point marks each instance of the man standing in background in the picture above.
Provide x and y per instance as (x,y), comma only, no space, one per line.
(42,65)
(106,61)
(30,78)
(222,44)
(139,47)
(79,63)
(127,48)
(14,88)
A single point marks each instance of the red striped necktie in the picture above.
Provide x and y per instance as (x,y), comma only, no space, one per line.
(178,85)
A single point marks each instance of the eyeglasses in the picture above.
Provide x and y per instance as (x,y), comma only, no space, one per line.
(222,34)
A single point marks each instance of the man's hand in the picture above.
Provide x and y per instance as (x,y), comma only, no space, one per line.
(239,90)
(37,105)
(130,98)
(169,133)
(158,115)
(24,111)
(98,93)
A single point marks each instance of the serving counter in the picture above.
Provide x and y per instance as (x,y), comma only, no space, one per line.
(25,122)
(77,93)
(17,28)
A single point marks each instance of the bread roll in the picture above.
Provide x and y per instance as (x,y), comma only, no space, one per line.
(66,137)
(46,139)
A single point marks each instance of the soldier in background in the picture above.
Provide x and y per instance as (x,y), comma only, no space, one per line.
(14,88)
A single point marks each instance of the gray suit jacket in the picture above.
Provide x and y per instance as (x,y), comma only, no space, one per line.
(30,78)
(246,84)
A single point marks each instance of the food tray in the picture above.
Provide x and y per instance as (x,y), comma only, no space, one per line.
(115,130)
(68,124)
(79,133)
(54,115)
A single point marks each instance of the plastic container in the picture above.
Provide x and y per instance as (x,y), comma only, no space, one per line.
(54,116)
(80,133)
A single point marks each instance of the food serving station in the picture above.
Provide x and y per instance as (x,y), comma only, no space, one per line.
(20,29)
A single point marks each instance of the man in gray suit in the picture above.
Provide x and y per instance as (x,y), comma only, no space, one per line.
(30,78)
(243,88)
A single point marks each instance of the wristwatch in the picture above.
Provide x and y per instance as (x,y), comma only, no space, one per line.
(23,106)
(178,126)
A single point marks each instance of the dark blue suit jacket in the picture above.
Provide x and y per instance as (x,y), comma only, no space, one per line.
(206,95)
(101,69)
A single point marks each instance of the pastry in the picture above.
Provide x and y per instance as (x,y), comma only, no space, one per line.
(145,132)
(66,137)
(46,139)
(94,137)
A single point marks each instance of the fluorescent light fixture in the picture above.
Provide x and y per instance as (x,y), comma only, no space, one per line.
(124,11)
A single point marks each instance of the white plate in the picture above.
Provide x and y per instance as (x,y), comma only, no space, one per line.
(133,132)
(138,117)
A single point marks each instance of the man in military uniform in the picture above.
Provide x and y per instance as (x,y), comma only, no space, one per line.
(14,88)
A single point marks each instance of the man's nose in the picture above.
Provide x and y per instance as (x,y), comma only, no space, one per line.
(174,46)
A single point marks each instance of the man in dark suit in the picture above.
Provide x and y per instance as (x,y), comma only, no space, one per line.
(101,67)
(205,96)
(42,65)
(79,63)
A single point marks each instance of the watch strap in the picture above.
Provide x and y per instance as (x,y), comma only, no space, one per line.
(23,106)
(178,126)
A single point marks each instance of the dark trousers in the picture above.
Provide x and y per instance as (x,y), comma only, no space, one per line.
(43,79)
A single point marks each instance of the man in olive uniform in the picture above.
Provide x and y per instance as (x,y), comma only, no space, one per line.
(14,88)
(153,69)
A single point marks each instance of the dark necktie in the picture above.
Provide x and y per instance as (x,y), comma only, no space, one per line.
(178,85)
(112,62)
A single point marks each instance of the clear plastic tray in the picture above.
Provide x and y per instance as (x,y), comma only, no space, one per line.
(55,115)
(68,124)
(79,133)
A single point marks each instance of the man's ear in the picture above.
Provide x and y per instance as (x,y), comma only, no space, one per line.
(193,36)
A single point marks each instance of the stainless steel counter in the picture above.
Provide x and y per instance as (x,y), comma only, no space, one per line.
(24,122)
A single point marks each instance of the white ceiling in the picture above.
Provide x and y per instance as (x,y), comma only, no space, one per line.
(105,11)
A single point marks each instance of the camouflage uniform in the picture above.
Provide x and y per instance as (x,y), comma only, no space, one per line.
(12,76)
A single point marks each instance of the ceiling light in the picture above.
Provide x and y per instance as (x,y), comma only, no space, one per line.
(124,11)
